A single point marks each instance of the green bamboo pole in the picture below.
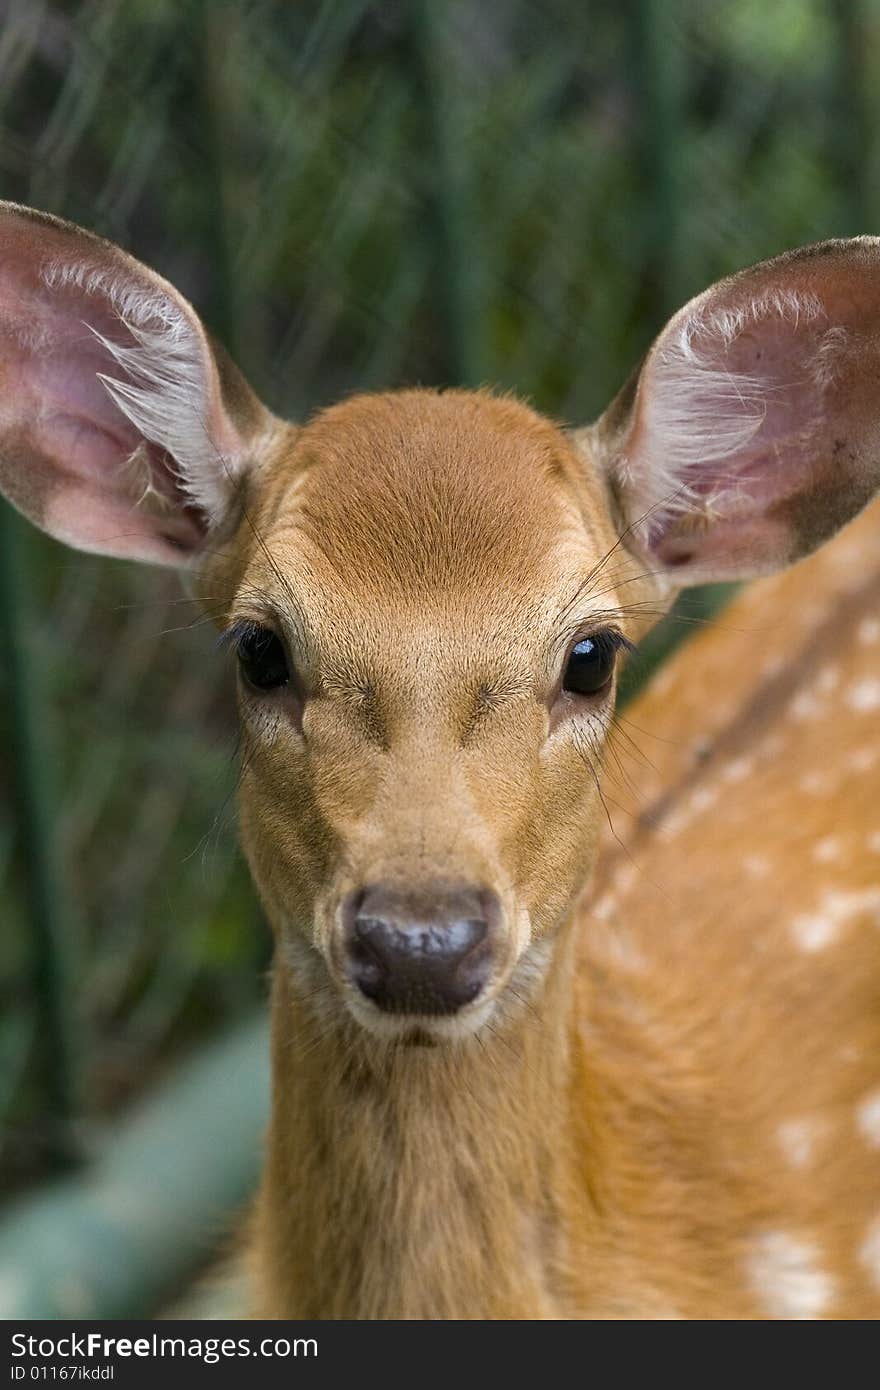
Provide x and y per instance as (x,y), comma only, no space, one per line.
(849,129)
(658,144)
(30,761)
(118,1239)
(451,203)
(215,34)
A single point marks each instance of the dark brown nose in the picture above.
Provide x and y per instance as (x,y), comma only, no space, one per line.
(425,950)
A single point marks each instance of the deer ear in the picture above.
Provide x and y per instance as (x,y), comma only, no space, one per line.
(122,429)
(752,431)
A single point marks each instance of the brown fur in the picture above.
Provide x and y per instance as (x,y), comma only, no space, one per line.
(593,1151)
(701,907)
(409,1179)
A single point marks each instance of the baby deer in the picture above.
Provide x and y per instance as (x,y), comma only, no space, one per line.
(429,595)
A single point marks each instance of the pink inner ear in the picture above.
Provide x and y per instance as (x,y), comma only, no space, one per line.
(763,394)
(740,428)
(69,457)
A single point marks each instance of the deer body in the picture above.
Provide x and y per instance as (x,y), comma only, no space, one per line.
(736,920)
(685,1122)
(497,1091)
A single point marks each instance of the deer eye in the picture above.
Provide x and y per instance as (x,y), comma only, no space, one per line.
(261,657)
(590,664)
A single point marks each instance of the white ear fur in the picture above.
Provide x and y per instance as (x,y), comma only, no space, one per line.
(702,413)
(164,383)
(752,431)
(123,429)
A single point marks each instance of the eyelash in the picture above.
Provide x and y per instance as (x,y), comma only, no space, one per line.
(608,637)
(262,659)
(238,632)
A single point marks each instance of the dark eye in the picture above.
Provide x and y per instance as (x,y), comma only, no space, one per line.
(261,658)
(590,664)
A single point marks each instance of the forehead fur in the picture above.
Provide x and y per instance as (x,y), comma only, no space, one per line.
(425,489)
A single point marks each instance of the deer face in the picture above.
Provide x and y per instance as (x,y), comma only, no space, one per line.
(429,608)
(428,593)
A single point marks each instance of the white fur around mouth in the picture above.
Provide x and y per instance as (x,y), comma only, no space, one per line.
(438,1028)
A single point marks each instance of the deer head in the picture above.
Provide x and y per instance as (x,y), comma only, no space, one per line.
(429,593)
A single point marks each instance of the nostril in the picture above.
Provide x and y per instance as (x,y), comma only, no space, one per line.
(364,952)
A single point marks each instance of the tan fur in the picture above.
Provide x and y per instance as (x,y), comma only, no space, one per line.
(406,1178)
(597,1150)
(704,927)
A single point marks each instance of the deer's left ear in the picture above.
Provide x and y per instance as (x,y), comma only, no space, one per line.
(752,431)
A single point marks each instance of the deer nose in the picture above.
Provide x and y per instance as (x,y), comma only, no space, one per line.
(420,951)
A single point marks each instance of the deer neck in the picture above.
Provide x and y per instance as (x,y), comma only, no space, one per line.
(418,1181)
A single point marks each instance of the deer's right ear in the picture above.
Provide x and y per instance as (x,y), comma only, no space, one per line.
(122,429)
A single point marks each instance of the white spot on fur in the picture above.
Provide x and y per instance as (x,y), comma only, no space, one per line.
(869,1252)
(625,878)
(809,704)
(756,865)
(786,1275)
(813,931)
(797,1139)
(864,696)
(828,680)
(772,666)
(603,909)
(827,850)
(702,799)
(862,760)
(673,824)
(738,769)
(868,1118)
(868,631)
(816,783)
(806,705)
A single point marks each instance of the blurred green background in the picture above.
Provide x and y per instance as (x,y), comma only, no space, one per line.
(356,195)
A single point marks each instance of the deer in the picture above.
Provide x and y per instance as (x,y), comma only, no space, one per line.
(501,1088)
